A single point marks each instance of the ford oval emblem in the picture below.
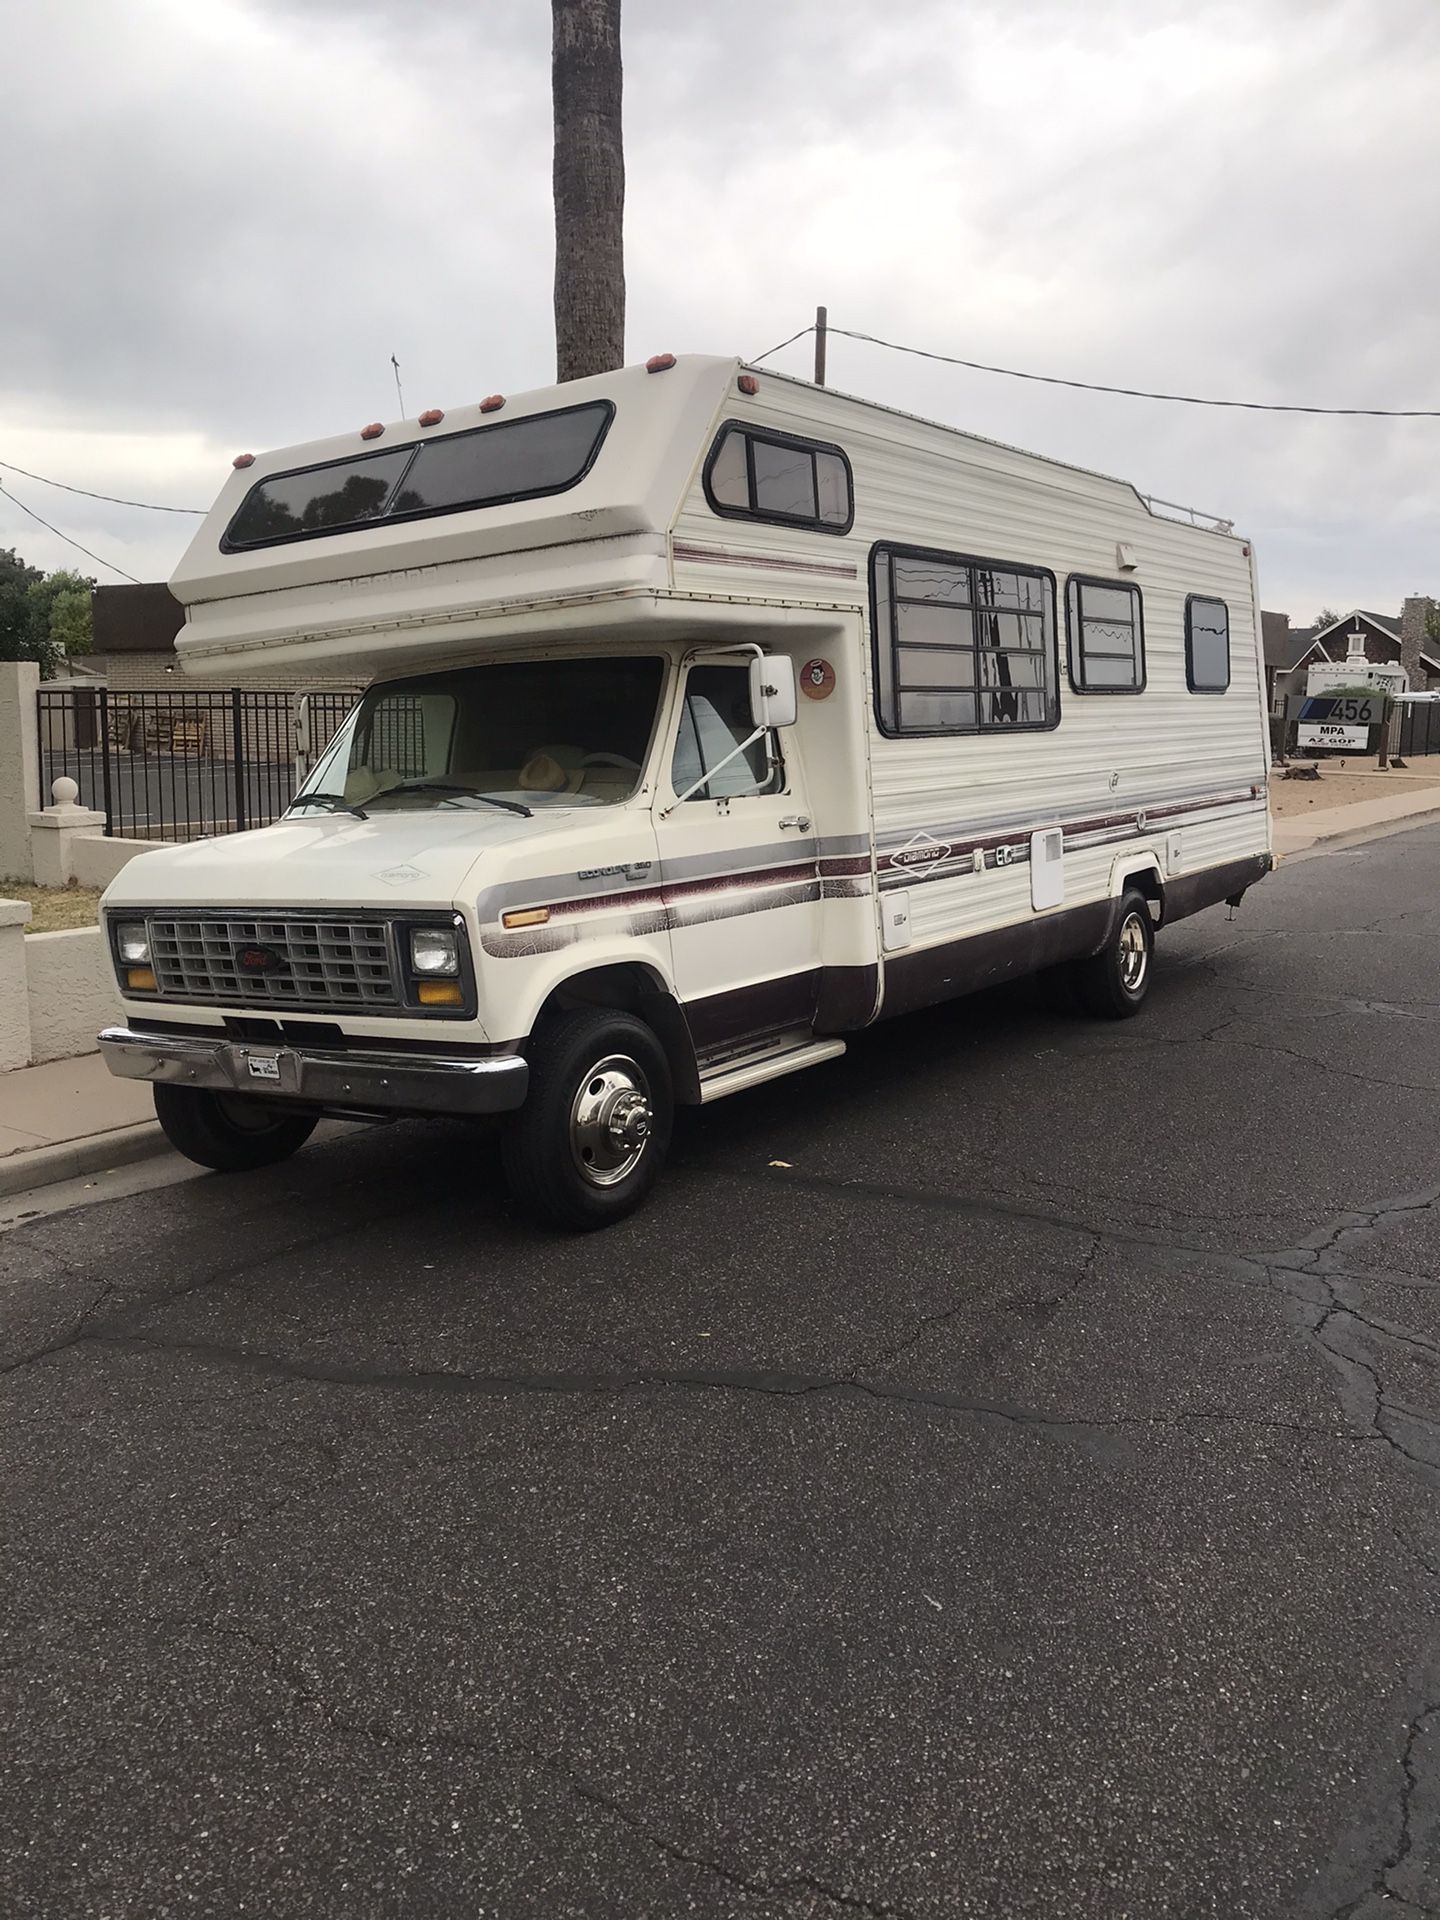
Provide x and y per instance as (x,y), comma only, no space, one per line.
(255,960)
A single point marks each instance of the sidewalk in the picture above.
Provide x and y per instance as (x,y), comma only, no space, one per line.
(71,1117)
(1295,833)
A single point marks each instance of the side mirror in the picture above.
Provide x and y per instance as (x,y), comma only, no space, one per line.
(772,691)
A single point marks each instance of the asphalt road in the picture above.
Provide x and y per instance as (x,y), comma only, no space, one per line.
(997,1476)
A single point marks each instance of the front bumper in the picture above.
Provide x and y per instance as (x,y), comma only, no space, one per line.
(377,1081)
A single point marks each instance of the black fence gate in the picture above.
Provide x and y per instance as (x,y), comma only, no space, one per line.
(179,765)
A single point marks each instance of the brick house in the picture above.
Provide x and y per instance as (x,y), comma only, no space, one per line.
(1386,639)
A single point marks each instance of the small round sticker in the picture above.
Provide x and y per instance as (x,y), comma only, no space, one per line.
(817,679)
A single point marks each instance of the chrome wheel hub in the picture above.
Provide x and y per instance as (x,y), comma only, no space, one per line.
(610,1120)
(1134,953)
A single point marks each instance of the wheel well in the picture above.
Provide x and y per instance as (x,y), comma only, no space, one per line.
(1147,881)
(635,989)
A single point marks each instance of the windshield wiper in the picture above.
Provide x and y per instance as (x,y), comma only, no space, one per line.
(330,800)
(441,786)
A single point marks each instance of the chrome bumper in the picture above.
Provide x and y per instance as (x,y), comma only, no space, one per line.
(372,1081)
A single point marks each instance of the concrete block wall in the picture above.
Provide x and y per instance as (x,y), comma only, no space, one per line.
(71,992)
(19,763)
(95,861)
(14,987)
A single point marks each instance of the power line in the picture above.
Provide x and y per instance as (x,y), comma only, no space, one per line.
(114,498)
(16,501)
(1133,393)
(770,351)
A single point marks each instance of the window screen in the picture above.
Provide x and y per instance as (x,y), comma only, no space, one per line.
(1107,636)
(512,460)
(962,646)
(764,476)
(1207,645)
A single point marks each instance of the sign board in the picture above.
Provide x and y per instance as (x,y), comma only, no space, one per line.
(1327,733)
(1337,710)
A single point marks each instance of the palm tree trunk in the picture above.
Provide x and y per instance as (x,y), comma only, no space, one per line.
(589,188)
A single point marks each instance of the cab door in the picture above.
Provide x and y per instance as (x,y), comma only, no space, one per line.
(738,866)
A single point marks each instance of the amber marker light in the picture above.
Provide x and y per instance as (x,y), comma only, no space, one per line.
(528,917)
(141,978)
(439,993)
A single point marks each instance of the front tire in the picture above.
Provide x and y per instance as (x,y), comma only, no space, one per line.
(1114,983)
(591,1139)
(229,1132)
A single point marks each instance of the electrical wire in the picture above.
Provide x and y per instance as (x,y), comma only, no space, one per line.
(1133,393)
(782,346)
(114,498)
(5,493)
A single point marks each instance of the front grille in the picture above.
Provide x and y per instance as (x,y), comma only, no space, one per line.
(322,964)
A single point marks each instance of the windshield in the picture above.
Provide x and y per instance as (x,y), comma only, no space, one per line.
(518,735)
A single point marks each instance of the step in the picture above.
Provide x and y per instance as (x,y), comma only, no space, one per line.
(735,1077)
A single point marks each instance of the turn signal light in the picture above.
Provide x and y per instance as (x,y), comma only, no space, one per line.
(141,978)
(529,917)
(439,993)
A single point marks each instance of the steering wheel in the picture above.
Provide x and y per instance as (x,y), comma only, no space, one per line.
(611,760)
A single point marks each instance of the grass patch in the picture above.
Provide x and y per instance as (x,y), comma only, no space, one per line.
(53,909)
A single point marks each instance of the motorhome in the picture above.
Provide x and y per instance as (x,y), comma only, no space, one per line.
(710,717)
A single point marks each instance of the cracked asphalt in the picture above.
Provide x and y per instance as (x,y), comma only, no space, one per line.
(1020,1502)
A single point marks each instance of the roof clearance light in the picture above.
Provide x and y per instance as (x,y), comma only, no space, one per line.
(431,417)
(372,432)
(492,403)
(659,362)
(747,383)
(243,460)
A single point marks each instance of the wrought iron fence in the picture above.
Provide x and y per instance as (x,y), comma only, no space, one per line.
(182,764)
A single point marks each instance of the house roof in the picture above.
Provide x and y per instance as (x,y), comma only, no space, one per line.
(1285,646)
(1386,623)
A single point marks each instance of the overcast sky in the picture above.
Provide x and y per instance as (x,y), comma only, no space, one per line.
(224,216)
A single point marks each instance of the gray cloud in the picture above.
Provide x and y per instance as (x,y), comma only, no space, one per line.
(234,211)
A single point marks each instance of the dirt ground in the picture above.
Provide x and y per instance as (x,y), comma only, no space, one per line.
(1345,780)
(52,909)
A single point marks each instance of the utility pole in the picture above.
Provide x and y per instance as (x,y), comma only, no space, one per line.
(587,87)
(822,324)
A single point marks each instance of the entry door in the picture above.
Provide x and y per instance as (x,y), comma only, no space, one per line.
(738,864)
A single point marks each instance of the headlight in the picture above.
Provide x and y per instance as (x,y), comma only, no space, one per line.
(132,943)
(433,950)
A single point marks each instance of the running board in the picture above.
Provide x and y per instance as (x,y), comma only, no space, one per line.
(770,1066)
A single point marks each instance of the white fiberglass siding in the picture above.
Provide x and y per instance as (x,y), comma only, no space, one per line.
(1194,765)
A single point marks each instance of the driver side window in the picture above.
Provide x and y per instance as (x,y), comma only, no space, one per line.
(713,722)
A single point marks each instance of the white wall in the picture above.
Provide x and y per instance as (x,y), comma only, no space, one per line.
(19,763)
(14,997)
(95,861)
(71,990)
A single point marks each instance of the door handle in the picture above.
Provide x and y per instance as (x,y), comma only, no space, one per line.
(798,820)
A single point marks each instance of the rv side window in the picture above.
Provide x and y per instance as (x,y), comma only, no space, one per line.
(774,476)
(1106,633)
(525,459)
(713,722)
(1207,645)
(961,645)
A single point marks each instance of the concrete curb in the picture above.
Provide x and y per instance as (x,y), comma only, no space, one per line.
(1353,836)
(68,1159)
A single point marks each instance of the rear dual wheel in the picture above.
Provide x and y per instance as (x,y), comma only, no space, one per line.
(1112,984)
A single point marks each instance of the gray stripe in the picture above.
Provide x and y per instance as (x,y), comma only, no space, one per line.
(1029,819)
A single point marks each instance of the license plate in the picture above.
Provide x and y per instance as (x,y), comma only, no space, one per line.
(264,1066)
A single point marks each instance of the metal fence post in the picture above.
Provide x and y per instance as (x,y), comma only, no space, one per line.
(237,756)
(105,760)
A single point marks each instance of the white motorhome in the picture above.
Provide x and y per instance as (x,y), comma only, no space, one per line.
(711,717)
